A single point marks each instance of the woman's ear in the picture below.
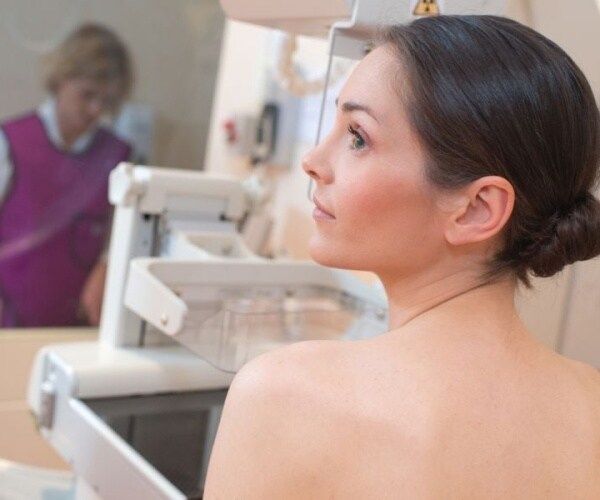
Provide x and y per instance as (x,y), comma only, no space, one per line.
(482,210)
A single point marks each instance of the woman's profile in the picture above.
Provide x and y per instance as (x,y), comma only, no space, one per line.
(463,160)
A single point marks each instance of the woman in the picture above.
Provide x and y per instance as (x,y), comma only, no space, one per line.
(462,159)
(54,167)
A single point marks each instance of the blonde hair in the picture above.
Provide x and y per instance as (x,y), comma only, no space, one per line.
(92,51)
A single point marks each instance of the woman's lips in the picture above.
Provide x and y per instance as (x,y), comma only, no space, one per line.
(320,212)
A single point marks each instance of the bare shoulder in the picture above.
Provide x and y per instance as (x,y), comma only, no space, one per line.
(267,438)
(587,377)
(291,375)
(581,407)
(571,392)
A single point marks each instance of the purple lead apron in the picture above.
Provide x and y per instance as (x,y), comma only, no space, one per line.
(53,223)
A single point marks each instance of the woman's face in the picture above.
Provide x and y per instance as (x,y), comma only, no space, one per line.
(374,209)
(81,102)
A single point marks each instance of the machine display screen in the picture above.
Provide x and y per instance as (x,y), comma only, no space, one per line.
(173,432)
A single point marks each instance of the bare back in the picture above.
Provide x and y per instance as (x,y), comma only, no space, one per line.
(401,417)
(477,422)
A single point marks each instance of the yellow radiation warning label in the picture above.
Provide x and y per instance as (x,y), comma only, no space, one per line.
(426,8)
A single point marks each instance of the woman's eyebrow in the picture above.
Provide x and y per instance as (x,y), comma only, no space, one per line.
(349,106)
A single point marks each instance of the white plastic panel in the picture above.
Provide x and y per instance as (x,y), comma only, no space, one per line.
(97,370)
(361,17)
(233,310)
(309,17)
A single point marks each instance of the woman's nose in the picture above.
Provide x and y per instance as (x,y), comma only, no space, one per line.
(95,109)
(316,166)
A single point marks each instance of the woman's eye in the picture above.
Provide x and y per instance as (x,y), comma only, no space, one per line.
(358,141)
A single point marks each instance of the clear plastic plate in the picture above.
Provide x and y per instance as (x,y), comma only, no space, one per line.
(229,312)
(247,323)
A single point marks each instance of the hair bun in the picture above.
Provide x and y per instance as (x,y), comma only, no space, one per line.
(567,236)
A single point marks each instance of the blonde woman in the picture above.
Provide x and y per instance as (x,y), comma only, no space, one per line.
(54,167)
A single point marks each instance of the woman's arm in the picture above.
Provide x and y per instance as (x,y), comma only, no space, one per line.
(93,293)
(6,167)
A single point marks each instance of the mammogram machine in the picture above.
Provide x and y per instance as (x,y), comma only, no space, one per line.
(187,304)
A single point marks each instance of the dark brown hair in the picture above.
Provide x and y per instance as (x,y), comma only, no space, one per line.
(489,96)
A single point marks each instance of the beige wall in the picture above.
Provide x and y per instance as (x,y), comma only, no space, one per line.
(564,310)
(19,439)
(575,26)
(175,44)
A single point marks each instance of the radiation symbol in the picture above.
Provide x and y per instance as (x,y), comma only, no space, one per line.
(426,8)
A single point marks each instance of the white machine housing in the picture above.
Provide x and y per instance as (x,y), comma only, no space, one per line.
(349,24)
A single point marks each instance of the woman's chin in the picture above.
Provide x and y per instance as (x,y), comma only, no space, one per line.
(327,256)
(321,254)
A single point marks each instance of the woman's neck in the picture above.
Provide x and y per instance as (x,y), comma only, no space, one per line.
(453,294)
(68,135)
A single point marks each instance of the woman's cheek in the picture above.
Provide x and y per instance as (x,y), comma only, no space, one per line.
(367,201)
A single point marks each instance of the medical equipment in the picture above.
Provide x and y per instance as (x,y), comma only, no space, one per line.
(349,24)
(186,304)
(126,410)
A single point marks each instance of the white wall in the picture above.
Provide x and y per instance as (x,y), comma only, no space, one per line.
(235,95)
(240,90)
(242,84)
